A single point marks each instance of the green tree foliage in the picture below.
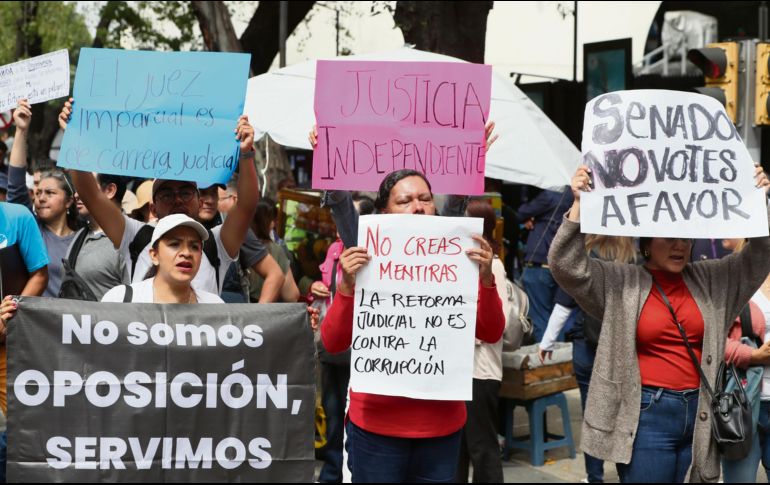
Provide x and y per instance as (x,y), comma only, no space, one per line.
(138,21)
(57,25)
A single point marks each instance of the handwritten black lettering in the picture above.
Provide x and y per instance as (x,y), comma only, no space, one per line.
(728,207)
(602,134)
(663,203)
(610,203)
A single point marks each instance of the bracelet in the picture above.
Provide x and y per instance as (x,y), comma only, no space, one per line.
(248,154)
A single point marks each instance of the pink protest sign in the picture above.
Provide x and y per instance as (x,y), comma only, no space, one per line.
(378,117)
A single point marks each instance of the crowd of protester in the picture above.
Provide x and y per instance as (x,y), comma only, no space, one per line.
(100,237)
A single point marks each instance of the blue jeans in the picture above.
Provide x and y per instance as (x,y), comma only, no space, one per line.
(583,356)
(375,458)
(3,455)
(663,446)
(745,471)
(334,391)
(541,291)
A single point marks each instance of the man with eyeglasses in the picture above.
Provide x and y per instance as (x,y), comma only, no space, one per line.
(253,255)
(176,197)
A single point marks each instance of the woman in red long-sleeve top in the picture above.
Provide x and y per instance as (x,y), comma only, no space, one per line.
(398,439)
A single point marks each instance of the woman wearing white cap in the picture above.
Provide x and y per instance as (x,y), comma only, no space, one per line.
(176,252)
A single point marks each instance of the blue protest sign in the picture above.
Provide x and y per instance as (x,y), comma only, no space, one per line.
(169,115)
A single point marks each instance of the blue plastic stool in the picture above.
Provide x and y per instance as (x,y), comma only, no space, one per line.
(537,441)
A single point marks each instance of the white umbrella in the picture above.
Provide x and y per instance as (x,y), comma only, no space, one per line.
(530,150)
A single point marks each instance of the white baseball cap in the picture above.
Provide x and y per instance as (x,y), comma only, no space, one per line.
(175,220)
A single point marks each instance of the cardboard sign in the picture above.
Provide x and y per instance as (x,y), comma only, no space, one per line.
(378,117)
(38,79)
(415,310)
(668,164)
(168,115)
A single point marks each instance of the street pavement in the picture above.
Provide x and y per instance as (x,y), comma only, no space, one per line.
(559,467)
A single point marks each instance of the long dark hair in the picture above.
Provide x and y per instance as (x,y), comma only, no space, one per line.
(383,194)
(485,211)
(265,214)
(62,179)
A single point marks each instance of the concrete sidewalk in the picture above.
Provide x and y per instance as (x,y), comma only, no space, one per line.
(559,467)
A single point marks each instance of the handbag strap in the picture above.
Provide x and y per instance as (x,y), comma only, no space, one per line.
(683,334)
(747,327)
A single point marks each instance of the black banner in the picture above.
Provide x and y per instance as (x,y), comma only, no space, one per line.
(162,393)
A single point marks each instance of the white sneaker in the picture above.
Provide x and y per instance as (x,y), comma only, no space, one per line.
(584,480)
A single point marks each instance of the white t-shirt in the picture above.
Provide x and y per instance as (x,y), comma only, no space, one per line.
(205,279)
(143,293)
(764,304)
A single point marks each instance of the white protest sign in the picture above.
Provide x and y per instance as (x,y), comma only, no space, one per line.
(38,79)
(668,164)
(415,311)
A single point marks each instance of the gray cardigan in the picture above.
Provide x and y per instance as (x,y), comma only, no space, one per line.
(615,293)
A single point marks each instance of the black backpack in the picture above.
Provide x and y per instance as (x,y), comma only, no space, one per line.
(73,286)
(144,236)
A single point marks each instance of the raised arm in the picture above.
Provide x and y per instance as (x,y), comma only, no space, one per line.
(17,189)
(344,214)
(269,270)
(238,219)
(581,276)
(743,272)
(105,213)
(37,282)
(340,202)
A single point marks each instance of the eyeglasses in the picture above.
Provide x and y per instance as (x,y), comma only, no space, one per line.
(167,196)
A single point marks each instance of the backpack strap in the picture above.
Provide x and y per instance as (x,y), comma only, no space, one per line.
(76,247)
(141,240)
(212,254)
(128,296)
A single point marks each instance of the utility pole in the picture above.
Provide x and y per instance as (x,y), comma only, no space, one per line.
(283,27)
(575,44)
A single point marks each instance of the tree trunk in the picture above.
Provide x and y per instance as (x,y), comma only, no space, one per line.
(260,38)
(216,25)
(277,171)
(456,29)
(106,15)
(44,123)
(28,44)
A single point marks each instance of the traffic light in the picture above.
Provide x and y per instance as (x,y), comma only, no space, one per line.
(719,63)
(762,86)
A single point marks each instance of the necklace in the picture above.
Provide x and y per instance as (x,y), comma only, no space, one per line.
(192,294)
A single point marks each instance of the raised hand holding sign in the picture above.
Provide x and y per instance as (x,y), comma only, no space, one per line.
(163,115)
